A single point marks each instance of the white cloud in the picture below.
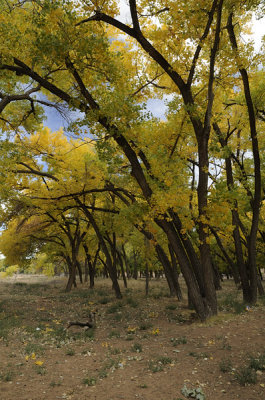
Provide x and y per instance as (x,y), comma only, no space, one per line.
(258,31)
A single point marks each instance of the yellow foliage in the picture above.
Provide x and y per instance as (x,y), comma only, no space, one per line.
(9,271)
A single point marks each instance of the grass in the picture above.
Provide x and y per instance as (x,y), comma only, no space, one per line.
(154,366)
(231,303)
(104,300)
(165,360)
(114,334)
(7,376)
(225,365)
(246,375)
(144,326)
(132,302)
(114,308)
(257,362)
(198,355)
(159,363)
(40,370)
(171,307)
(54,384)
(7,324)
(36,348)
(177,341)
(89,381)
(70,352)
(137,347)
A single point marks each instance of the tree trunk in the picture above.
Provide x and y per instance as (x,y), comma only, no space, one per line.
(175,271)
(91,270)
(111,268)
(198,301)
(122,269)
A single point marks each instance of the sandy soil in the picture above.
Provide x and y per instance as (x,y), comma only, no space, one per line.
(141,348)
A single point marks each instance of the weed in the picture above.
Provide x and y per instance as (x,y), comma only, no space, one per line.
(110,364)
(40,370)
(165,360)
(257,363)
(20,285)
(158,295)
(145,326)
(104,300)
(225,365)
(246,375)
(137,347)
(114,308)
(239,308)
(180,340)
(155,366)
(89,381)
(102,374)
(89,333)
(158,364)
(175,317)
(70,352)
(114,334)
(101,292)
(117,317)
(171,307)
(132,302)
(7,376)
(115,351)
(59,333)
(198,355)
(226,346)
(34,348)
(54,384)
(230,303)
(7,324)
(84,294)
(193,393)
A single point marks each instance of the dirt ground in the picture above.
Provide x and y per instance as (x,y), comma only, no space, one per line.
(141,348)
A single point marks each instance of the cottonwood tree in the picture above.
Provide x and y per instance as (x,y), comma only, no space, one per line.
(83,58)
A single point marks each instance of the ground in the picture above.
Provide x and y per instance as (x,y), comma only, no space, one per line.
(142,347)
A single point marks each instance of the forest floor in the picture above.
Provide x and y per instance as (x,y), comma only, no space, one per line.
(146,348)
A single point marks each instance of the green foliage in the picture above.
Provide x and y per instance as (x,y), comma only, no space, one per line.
(89,381)
(137,347)
(194,393)
(230,303)
(144,326)
(133,303)
(114,308)
(114,334)
(225,365)
(35,348)
(257,362)
(70,352)
(7,376)
(198,355)
(246,375)
(177,341)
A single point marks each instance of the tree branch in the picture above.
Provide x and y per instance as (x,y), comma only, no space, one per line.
(30,170)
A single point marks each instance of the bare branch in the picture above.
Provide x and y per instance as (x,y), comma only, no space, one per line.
(33,171)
